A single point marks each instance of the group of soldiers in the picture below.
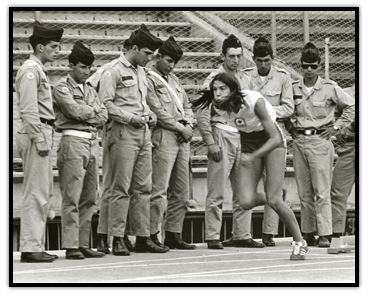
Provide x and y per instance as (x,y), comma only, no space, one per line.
(147,121)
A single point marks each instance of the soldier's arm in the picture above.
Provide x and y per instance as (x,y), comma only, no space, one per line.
(347,104)
(27,87)
(108,83)
(203,116)
(286,107)
(64,98)
(189,115)
(101,116)
(164,119)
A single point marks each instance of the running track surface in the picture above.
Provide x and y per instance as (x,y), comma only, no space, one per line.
(230,265)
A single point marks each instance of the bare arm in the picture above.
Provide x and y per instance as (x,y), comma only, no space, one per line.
(275,138)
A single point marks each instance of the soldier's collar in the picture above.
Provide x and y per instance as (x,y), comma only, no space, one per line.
(71,81)
(35,59)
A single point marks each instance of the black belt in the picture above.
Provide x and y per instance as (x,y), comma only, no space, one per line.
(309,132)
(349,140)
(46,121)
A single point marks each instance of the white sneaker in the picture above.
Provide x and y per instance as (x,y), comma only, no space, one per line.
(299,250)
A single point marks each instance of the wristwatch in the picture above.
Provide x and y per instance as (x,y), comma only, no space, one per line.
(336,128)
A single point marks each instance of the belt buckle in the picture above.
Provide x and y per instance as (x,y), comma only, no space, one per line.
(308,132)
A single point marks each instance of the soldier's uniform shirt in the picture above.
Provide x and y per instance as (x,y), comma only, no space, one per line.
(74,107)
(123,90)
(77,158)
(316,109)
(276,88)
(313,155)
(33,90)
(34,102)
(170,159)
(243,79)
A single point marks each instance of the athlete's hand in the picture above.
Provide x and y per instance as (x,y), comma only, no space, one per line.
(214,152)
(247,158)
(293,133)
(152,121)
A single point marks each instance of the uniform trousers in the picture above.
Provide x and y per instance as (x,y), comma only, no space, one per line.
(343,180)
(103,220)
(170,169)
(78,173)
(131,181)
(36,190)
(217,175)
(313,160)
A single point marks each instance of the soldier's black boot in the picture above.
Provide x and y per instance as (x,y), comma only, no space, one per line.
(118,247)
(173,241)
(102,244)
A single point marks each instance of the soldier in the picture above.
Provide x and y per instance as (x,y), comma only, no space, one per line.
(315,101)
(103,220)
(223,141)
(34,141)
(79,113)
(171,147)
(275,85)
(123,89)
(343,177)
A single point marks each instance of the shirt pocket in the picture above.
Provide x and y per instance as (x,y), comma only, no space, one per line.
(79,99)
(127,88)
(319,110)
(44,91)
(273,97)
(163,95)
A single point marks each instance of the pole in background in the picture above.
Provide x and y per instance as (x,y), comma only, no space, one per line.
(37,16)
(273,32)
(305,27)
(327,58)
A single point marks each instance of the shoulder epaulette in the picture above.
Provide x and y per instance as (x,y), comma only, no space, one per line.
(282,70)
(328,81)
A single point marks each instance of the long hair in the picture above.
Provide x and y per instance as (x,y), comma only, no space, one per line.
(234,101)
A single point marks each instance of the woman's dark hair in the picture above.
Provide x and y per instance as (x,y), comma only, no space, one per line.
(234,101)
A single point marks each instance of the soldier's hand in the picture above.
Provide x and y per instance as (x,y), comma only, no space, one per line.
(340,140)
(42,148)
(353,126)
(137,121)
(327,133)
(293,133)
(215,152)
(96,108)
(187,133)
(152,121)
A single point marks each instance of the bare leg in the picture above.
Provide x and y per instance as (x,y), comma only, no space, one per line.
(247,183)
(274,163)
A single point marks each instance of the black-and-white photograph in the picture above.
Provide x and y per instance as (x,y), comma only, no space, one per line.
(202,146)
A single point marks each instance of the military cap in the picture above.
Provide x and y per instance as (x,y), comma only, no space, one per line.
(52,34)
(231,42)
(262,48)
(145,39)
(172,49)
(82,53)
(310,53)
